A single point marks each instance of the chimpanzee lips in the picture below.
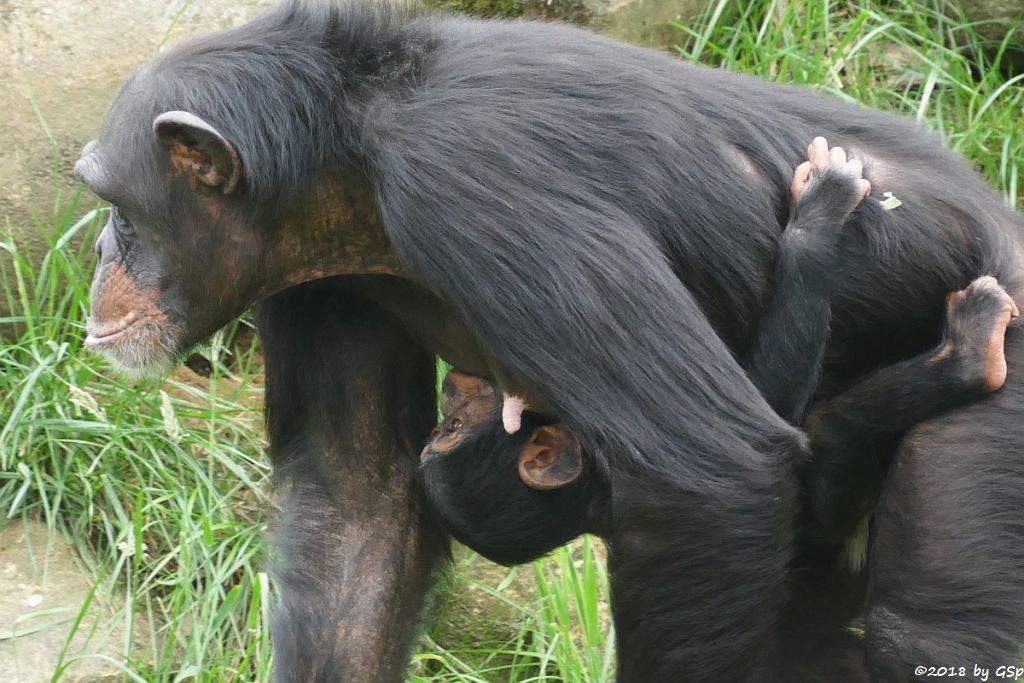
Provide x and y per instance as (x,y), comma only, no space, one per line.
(138,344)
(102,334)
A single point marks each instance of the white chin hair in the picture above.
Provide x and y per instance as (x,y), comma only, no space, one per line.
(135,361)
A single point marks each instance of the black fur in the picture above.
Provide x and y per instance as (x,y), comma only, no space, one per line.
(603,217)
(344,428)
(476,492)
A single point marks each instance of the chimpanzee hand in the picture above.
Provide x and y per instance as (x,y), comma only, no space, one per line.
(825,190)
(830,182)
(786,360)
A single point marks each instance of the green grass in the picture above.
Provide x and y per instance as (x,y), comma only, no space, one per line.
(162,486)
(912,57)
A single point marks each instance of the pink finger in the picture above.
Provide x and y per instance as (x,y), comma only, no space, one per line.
(512,413)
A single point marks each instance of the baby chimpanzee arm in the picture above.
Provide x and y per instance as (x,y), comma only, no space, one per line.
(844,475)
(786,359)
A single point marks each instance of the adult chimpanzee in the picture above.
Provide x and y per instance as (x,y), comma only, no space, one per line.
(588,221)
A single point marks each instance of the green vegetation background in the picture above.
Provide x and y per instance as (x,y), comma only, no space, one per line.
(162,485)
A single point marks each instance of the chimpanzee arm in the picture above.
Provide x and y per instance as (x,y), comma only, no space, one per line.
(785,361)
(845,473)
(349,403)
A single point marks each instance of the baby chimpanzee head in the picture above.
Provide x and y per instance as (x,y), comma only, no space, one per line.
(510,497)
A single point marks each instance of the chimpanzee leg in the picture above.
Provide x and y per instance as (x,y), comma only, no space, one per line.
(349,403)
(785,361)
(947,585)
(844,476)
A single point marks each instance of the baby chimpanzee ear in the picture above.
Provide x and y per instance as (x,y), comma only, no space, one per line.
(551,458)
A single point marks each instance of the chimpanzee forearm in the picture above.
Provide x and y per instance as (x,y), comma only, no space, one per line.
(356,549)
(785,361)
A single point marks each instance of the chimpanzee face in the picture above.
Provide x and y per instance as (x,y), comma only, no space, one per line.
(179,256)
(546,457)
(204,224)
(510,497)
(468,404)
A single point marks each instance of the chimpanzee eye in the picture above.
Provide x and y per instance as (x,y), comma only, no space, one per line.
(456,423)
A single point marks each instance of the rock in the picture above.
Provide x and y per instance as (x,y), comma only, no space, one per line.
(42,590)
(999,15)
(502,9)
(70,57)
(996,18)
(643,22)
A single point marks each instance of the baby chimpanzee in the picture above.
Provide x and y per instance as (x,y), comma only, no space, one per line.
(515,497)
(510,497)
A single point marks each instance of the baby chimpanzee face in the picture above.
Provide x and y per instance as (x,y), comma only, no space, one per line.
(510,497)
(549,458)
(468,404)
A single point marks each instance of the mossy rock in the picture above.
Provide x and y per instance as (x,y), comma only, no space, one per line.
(573,11)
(500,9)
(642,22)
(994,20)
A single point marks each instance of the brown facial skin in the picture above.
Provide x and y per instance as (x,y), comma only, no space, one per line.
(184,252)
(549,459)
(467,403)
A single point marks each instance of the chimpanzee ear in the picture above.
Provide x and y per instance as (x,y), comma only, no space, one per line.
(551,458)
(196,149)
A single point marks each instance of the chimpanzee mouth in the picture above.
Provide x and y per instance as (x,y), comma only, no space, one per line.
(139,344)
(105,334)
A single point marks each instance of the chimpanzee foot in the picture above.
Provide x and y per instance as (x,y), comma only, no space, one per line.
(976,321)
(829,171)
